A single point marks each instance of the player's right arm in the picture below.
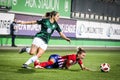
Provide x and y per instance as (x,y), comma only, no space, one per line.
(83,67)
(41,21)
(67,63)
(27,22)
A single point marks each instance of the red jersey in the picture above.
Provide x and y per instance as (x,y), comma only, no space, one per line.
(62,61)
(71,59)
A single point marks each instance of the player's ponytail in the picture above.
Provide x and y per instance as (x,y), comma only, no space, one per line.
(48,14)
(53,13)
(80,50)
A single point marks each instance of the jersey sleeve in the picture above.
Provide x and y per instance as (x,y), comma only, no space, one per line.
(58,28)
(80,62)
(39,21)
(66,58)
(70,58)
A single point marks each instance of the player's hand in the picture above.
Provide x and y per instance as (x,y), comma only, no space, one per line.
(39,67)
(87,69)
(68,39)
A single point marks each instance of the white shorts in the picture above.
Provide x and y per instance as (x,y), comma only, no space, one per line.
(39,43)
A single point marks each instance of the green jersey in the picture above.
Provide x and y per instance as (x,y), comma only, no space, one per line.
(47,28)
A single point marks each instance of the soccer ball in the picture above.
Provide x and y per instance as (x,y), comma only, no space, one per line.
(105,67)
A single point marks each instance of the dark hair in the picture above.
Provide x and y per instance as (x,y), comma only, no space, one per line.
(53,13)
(47,14)
(80,51)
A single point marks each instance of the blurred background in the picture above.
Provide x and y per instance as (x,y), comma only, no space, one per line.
(89,23)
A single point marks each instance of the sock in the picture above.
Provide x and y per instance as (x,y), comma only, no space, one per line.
(31,60)
(44,64)
(28,50)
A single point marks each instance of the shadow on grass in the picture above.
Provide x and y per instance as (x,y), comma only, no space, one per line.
(74,70)
(118,65)
(26,71)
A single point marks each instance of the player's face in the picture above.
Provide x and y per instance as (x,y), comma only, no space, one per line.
(56,17)
(82,56)
(15,19)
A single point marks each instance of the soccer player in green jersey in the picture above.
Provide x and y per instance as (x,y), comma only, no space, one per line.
(40,42)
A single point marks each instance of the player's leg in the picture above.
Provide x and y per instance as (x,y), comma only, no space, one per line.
(37,42)
(48,64)
(25,49)
(33,47)
(38,46)
(33,58)
(44,64)
(38,63)
(39,54)
(31,50)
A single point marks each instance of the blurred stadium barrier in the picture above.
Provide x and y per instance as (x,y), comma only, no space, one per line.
(65,48)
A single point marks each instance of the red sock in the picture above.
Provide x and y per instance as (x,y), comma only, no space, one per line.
(44,64)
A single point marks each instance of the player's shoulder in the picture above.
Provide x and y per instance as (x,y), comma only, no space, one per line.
(72,55)
(56,23)
(44,19)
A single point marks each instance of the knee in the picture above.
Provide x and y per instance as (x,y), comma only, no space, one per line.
(31,53)
(39,55)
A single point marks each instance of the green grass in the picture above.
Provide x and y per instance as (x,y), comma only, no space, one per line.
(11,61)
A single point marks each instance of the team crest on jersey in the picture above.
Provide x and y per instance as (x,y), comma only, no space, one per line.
(49,30)
(53,26)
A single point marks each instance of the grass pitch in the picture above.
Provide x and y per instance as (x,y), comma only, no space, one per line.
(11,61)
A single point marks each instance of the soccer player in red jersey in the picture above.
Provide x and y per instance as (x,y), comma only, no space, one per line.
(63,62)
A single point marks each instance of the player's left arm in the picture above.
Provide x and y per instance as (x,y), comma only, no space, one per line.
(27,22)
(64,37)
(61,33)
(67,64)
